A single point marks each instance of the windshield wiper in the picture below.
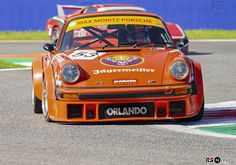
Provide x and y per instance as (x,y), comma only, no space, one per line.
(135,44)
(169,44)
(105,46)
(143,44)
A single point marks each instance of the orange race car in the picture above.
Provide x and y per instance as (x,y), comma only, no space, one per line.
(116,66)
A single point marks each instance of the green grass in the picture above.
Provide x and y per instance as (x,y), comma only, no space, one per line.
(226,129)
(27,35)
(6,65)
(16,60)
(211,34)
(192,34)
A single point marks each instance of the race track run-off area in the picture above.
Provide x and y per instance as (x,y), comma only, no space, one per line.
(25,137)
(219,120)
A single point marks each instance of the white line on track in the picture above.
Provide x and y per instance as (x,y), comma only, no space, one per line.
(231,122)
(209,123)
(228,105)
(184,129)
(213,40)
(29,64)
(14,69)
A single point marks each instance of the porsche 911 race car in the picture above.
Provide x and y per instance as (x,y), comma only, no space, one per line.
(54,24)
(116,66)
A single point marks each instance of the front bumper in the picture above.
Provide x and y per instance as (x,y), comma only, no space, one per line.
(92,105)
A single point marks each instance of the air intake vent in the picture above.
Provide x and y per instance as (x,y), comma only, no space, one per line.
(74,111)
(177,108)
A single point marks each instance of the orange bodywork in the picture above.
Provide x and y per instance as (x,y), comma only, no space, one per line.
(106,91)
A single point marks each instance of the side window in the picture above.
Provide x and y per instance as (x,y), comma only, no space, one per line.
(90,9)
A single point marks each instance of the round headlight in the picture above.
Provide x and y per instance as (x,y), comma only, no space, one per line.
(70,73)
(179,70)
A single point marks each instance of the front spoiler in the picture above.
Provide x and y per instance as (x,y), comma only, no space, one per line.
(58,109)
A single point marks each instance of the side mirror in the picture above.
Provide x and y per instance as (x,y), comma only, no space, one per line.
(48,47)
(180,44)
(54,43)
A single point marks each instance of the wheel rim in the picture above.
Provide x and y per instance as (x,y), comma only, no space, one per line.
(44,101)
(33,99)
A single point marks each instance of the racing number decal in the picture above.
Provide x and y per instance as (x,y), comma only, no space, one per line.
(85,55)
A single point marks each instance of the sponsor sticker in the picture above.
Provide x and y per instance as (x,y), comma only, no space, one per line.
(127,81)
(126,110)
(124,70)
(114,20)
(121,60)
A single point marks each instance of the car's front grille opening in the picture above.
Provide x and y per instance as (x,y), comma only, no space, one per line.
(90,111)
(74,111)
(177,108)
(161,109)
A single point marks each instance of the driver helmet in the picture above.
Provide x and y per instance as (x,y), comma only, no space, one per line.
(138,33)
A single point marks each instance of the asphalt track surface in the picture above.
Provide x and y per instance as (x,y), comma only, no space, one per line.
(25,138)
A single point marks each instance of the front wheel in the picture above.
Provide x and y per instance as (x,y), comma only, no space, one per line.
(45,103)
(37,105)
(36,102)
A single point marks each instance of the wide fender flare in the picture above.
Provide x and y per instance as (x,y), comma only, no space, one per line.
(198,78)
(48,76)
(37,78)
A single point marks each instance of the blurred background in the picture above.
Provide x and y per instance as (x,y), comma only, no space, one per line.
(28,15)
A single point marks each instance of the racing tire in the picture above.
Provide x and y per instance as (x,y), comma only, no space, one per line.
(36,102)
(197,117)
(37,105)
(45,103)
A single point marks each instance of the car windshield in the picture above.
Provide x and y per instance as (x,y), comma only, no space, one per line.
(115,31)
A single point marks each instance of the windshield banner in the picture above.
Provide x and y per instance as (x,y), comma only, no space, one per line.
(114,20)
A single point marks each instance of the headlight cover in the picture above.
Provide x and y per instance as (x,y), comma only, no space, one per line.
(179,70)
(70,73)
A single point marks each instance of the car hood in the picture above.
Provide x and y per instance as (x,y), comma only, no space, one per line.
(113,68)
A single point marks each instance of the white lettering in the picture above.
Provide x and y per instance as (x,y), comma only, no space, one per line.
(126,111)
(95,71)
(138,70)
(124,81)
